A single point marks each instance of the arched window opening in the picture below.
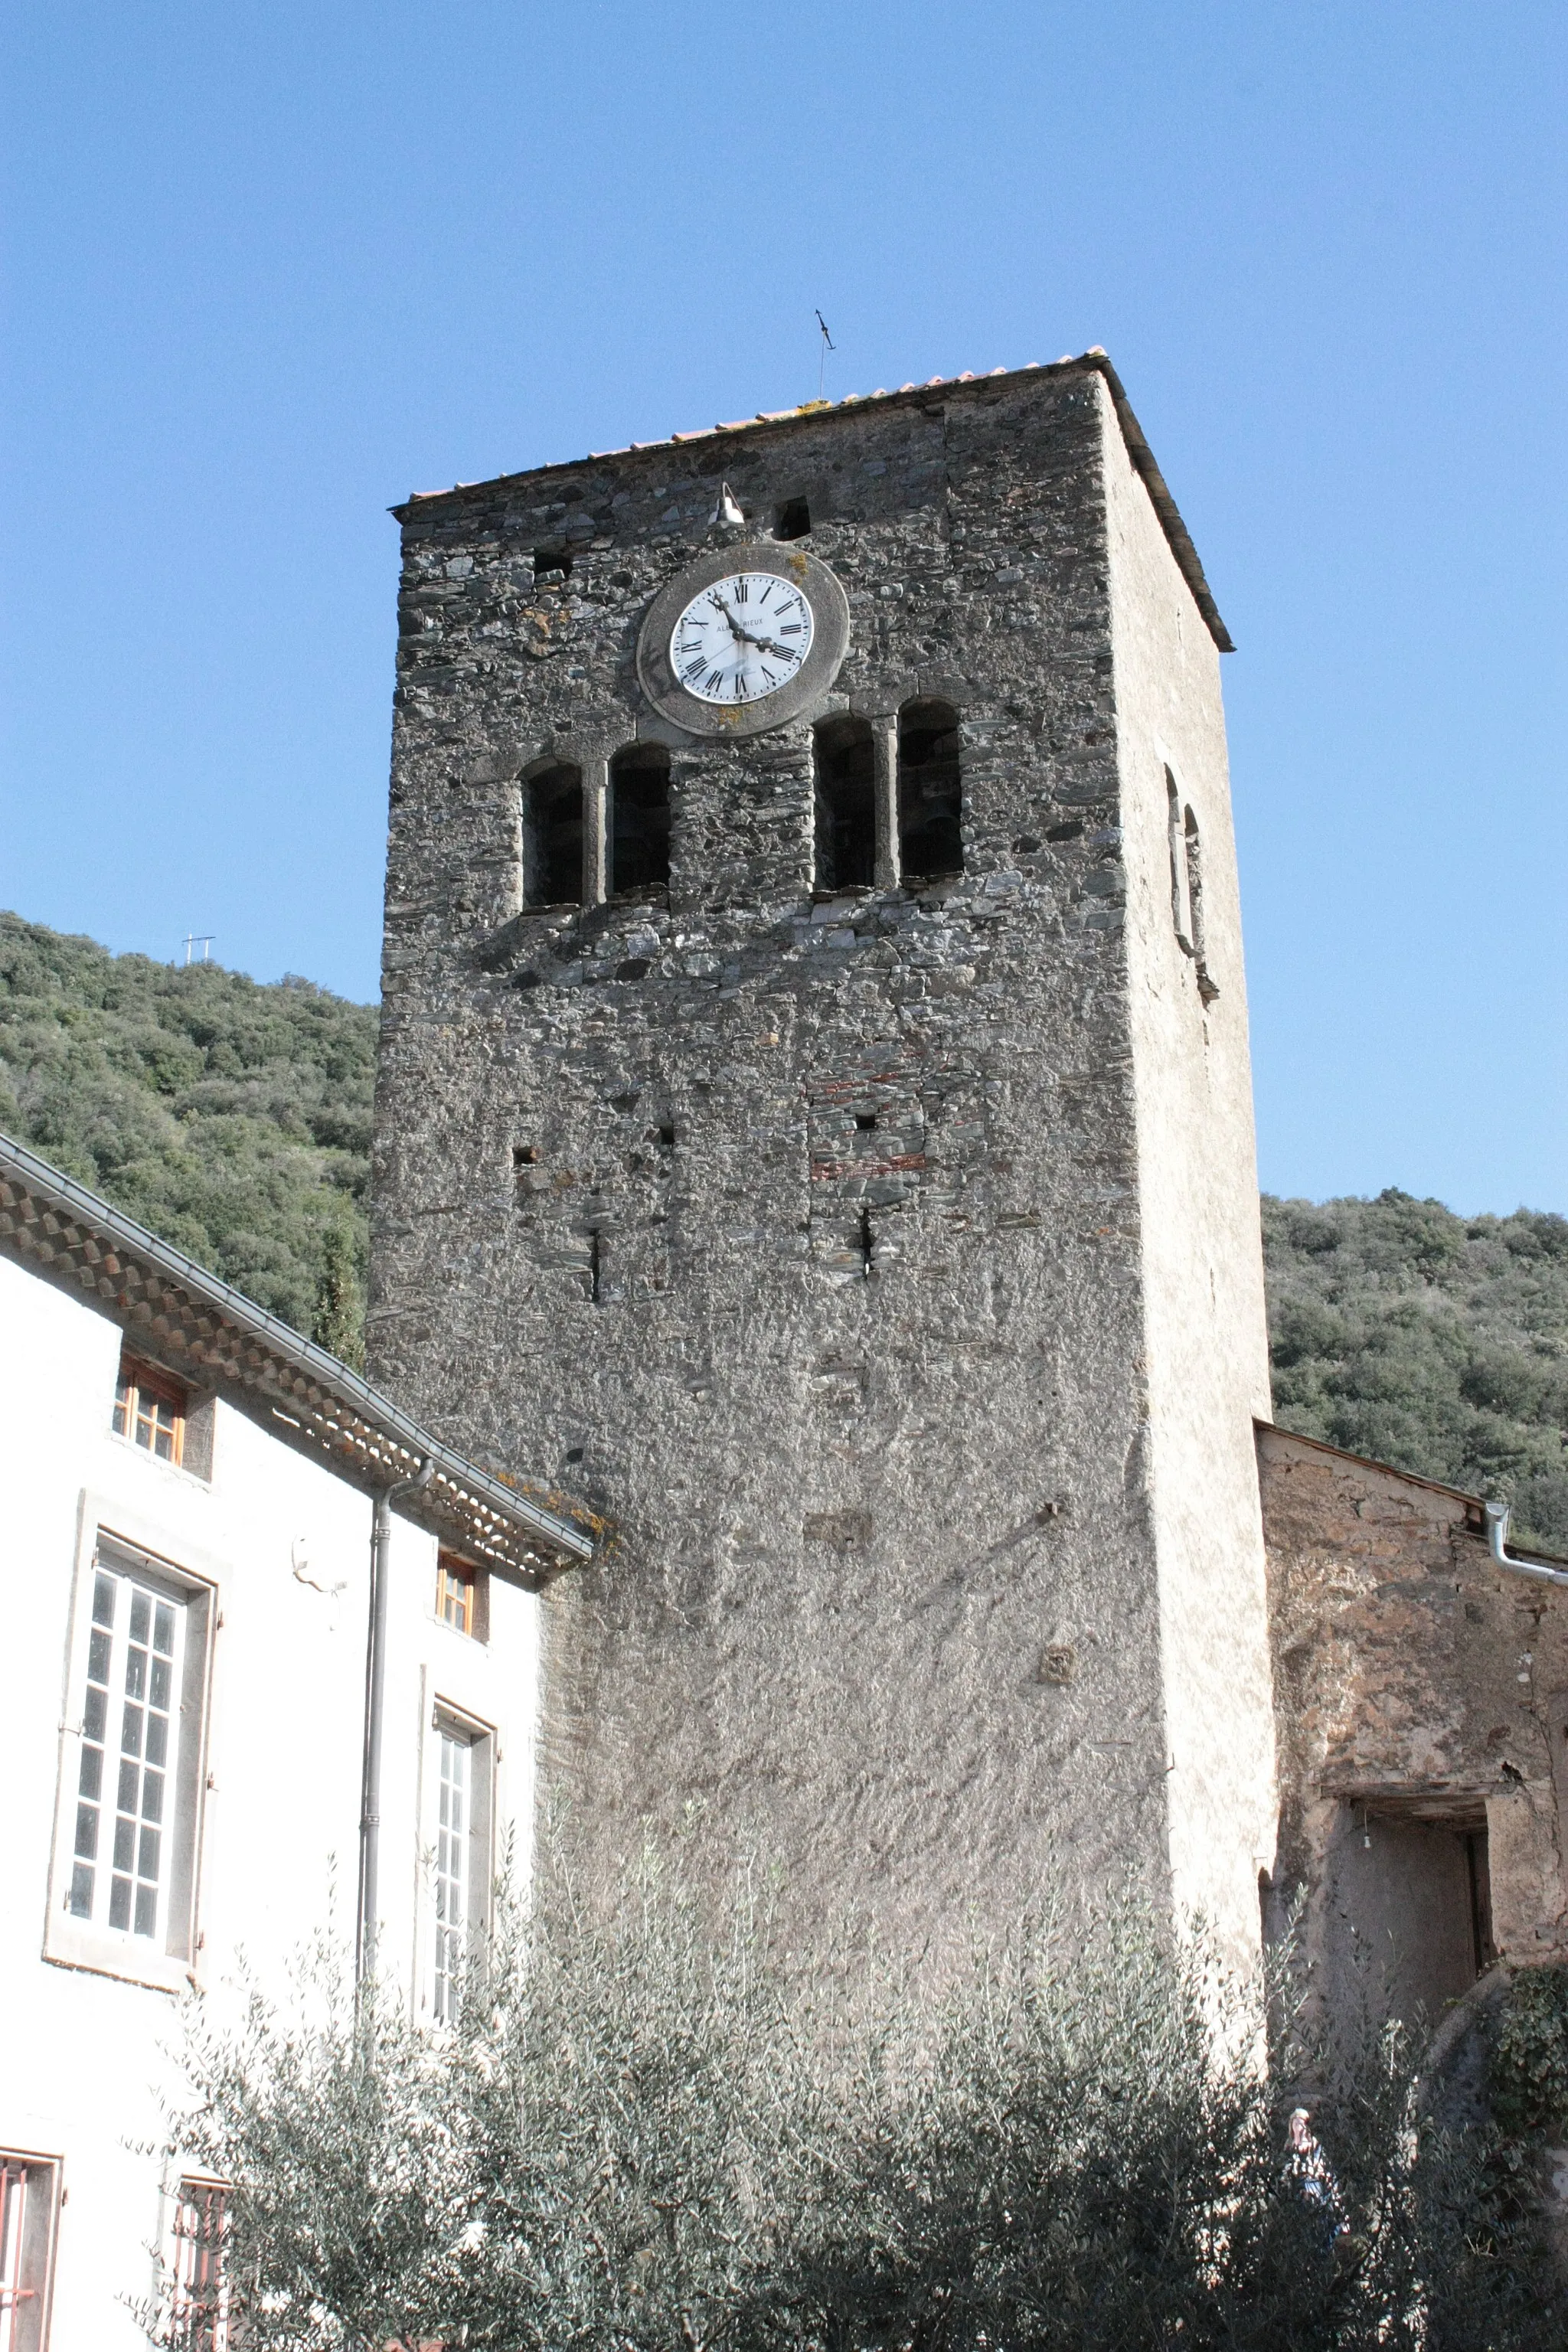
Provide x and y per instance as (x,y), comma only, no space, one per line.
(845,766)
(793,520)
(552,837)
(640,820)
(1193,850)
(1181,892)
(1187,885)
(930,791)
(1193,857)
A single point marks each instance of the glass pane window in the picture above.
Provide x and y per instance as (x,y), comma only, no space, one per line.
(130,1738)
(149,1409)
(454,1841)
(27,2231)
(14,2288)
(199,2303)
(457,1593)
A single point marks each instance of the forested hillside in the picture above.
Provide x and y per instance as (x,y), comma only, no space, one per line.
(235,1120)
(232,1118)
(1437,1342)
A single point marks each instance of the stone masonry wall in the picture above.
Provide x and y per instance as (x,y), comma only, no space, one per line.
(1421,1690)
(881,1602)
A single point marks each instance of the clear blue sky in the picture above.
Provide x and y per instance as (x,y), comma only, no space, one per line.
(271,268)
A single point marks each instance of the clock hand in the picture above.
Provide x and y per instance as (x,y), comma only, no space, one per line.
(735,628)
(764,644)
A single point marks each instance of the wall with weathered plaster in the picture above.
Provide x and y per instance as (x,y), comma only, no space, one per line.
(884,1600)
(1206,1339)
(1422,1699)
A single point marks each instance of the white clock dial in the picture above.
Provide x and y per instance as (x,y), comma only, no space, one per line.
(742,639)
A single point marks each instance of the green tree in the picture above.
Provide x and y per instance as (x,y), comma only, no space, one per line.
(643,2138)
(337,1319)
(1436,1342)
(232,1118)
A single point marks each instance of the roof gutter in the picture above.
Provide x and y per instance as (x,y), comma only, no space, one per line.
(64,1191)
(1497,1537)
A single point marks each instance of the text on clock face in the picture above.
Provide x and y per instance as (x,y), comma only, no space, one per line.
(743,638)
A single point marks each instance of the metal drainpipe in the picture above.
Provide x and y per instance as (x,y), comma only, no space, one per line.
(1497,1537)
(374,1697)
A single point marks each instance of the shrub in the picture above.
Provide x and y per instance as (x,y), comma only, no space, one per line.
(644,2140)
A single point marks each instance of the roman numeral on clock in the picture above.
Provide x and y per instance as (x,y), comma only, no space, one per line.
(719,656)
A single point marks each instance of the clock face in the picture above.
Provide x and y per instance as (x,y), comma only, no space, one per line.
(742,639)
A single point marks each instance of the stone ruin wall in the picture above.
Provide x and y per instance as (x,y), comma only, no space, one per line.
(1421,1692)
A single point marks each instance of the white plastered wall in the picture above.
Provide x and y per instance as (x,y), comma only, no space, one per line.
(89,2052)
(1207,1361)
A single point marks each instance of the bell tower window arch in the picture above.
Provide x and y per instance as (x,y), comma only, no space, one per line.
(637,830)
(930,790)
(845,827)
(553,835)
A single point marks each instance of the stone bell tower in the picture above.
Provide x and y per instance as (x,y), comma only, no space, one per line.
(816,1108)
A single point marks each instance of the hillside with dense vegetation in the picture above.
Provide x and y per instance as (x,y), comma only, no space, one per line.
(1433,1341)
(234,1119)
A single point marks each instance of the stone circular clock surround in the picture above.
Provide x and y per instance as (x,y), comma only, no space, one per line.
(802,692)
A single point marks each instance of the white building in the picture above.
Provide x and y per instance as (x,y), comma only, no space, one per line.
(207,1746)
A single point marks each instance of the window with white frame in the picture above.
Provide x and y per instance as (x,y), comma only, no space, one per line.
(454,1866)
(130,1751)
(199,2295)
(28,2203)
(130,1767)
(460,1857)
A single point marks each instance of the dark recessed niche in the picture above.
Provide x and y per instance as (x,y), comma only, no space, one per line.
(640,820)
(846,825)
(572,1453)
(552,559)
(930,791)
(865,1121)
(552,837)
(1064,833)
(793,520)
(1024,845)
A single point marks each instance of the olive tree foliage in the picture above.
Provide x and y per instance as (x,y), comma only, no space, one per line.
(642,2137)
(597,2154)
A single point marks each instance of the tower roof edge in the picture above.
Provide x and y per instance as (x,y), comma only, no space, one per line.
(1093,362)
